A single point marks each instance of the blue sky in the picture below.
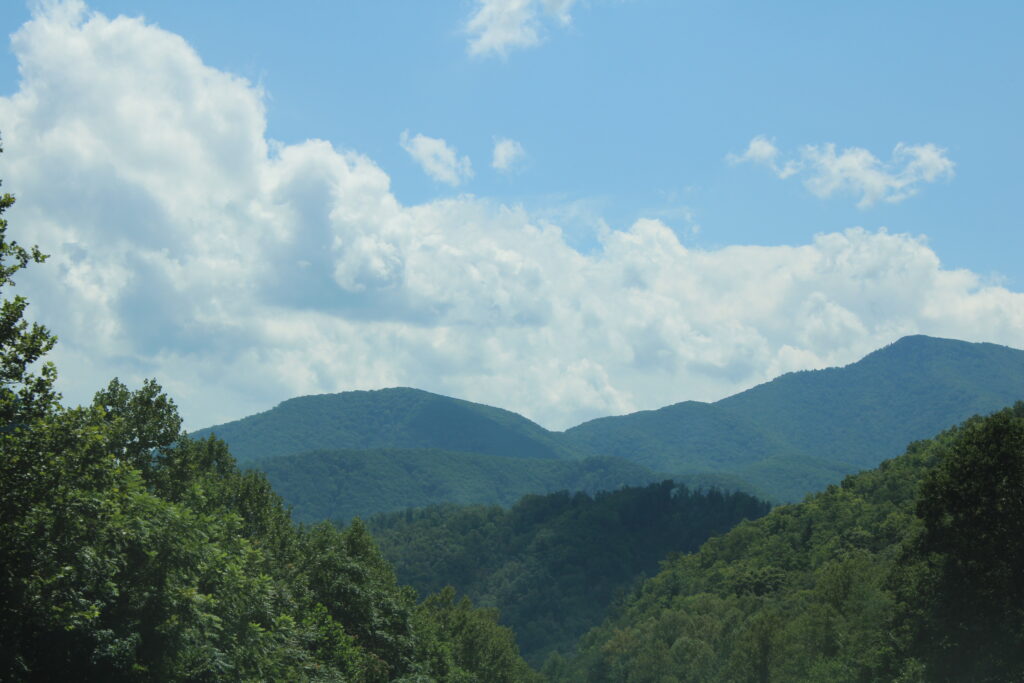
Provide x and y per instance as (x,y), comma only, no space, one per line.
(723,126)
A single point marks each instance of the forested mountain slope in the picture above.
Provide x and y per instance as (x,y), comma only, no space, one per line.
(340,485)
(701,438)
(804,430)
(909,390)
(908,572)
(386,418)
(552,564)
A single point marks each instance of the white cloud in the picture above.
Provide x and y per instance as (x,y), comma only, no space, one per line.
(507,153)
(498,26)
(855,170)
(438,160)
(763,151)
(241,273)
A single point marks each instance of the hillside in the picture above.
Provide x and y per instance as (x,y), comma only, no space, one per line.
(907,572)
(386,418)
(340,485)
(804,430)
(906,391)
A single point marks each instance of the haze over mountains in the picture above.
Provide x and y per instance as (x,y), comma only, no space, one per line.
(782,439)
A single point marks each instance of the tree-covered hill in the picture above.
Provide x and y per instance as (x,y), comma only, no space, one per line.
(909,390)
(908,572)
(552,564)
(385,419)
(340,485)
(703,439)
(805,430)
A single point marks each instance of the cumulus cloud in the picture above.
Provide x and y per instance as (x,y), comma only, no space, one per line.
(498,26)
(438,160)
(241,273)
(855,170)
(507,153)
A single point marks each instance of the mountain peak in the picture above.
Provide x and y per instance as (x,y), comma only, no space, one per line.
(396,417)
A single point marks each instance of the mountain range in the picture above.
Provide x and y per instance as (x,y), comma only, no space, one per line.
(373,451)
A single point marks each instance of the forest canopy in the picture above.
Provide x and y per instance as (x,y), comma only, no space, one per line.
(908,572)
(553,564)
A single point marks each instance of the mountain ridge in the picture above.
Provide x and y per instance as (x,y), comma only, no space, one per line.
(803,430)
(783,438)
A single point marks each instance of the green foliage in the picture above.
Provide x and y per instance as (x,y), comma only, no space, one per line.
(140,421)
(909,572)
(105,577)
(184,568)
(552,564)
(469,644)
(972,506)
(349,576)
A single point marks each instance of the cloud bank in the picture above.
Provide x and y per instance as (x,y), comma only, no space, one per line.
(855,170)
(241,272)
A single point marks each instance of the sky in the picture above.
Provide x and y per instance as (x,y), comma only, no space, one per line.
(565,208)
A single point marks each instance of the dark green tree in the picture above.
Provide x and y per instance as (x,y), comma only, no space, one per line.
(140,421)
(972,506)
(475,646)
(349,576)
